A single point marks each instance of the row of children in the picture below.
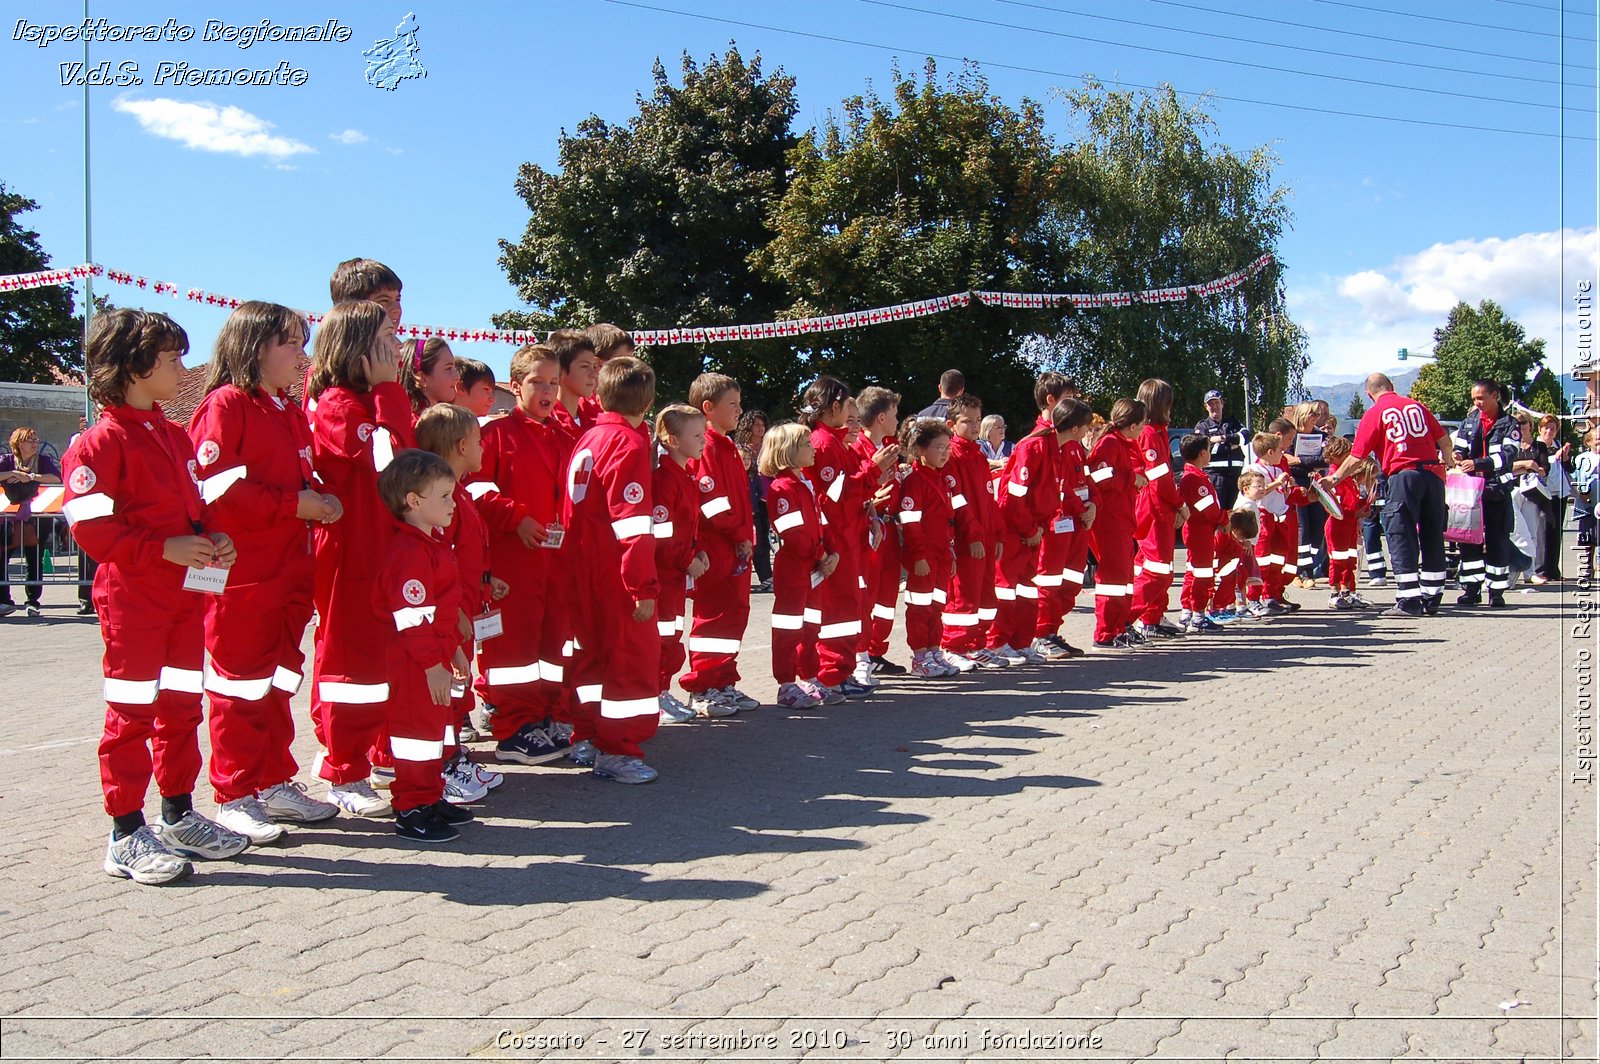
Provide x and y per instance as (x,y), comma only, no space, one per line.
(558,545)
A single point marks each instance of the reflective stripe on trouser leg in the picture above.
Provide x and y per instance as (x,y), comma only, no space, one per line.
(1499,577)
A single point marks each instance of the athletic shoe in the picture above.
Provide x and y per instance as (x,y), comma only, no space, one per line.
(1339,601)
(959,662)
(672,710)
(1286,605)
(358,799)
(560,732)
(195,836)
(248,817)
(1377,581)
(1064,645)
(763,587)
(1166,630)
(1047,650)
(850,689)
(582,754)
(1009,654)
(863,674)
(1032,656)
(1360,603)
(382,778)
(812,688)
(144,858)
(1203,624)
(930,668)
(530,746)
(1497,600)
(461,783)
(6,610)
(486,776)
(623,769)
(289,801)
(450,814)
(831,696)
(1397,610)
(793,696)
(31,609)
(1185,617)
(1274,608)
(739,699)
(1119,642)
(711,704)
(887,667)
(424,825)
(484,728)
(1221,617)
(86,609)
(988,659)
(466,732)
(1135,635)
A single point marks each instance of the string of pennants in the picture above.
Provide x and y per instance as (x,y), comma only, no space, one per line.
(854,319)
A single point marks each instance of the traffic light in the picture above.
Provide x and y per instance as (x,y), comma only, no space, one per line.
(1403,353)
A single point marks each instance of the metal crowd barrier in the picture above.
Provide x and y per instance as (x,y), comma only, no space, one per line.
(58,554)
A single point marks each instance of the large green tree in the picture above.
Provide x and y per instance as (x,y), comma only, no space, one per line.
(939,187)
(651,224)
(38,332)
(1476,343)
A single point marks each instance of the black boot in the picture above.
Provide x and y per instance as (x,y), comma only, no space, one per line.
(1470,598)
(1497,600)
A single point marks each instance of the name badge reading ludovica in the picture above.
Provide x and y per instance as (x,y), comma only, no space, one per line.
(488,626)
(210,580)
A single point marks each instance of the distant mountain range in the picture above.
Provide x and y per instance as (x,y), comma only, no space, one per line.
(1337,394)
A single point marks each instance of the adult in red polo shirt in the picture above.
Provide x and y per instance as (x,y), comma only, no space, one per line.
(1413,450)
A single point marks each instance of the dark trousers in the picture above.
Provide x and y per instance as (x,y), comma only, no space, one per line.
(763,558)
(1555,520)
(1372,544)
(1489,562)
(1313,560)
(1413,525)
(15,541)
(86,571)
(1226,485)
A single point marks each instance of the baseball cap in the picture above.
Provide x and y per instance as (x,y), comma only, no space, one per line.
(1213,394)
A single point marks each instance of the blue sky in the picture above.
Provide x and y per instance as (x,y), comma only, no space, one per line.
(257,191)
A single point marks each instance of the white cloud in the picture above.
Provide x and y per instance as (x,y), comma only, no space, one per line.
(208,127)
(1356,322)
(349,136)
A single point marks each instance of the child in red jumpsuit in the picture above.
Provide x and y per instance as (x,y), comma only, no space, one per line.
(607,506)
(133,503)
(977,530)
(927,528)
(1343,534)
(681,435)
(1028,496)
(801,567)
(1115,470)
(253,446)
(879,410)
(1157,513)
(1065,549)
(418,590)
(1199,534)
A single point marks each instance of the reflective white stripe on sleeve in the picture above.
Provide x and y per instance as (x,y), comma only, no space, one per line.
(788,622)
(189,681)
(836,489)
(719,505)
(788,521)
(415,749)
(1460,441)
(1233,563)
(664,628)
(131,692)
(1005,594)
(631,527)
(1206,502)
(988,613)
(511,675)
(957,501)
(1072,576)
(481,488)
(88,507)
(1016,488)
(353,694)
(1202,573)
(662,530)
(1102,474)
(216,486)
(628,708)
(248,690)
(412,617)
(813,616)
(382,448)
(287,680)
(1157,471)
(552,672)
(589,693)
(1027,591)
(882,613)
(910,517)
(960,620)
(706,645)
(916,598)
(840,630)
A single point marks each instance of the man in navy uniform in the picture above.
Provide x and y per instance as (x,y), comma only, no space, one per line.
(1227,449)
(1486,446)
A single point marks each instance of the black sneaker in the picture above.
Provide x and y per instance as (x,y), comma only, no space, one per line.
(1430,605)
(7,609)
(851,689)
(451,814)
(423,825)
(762,588)
(1164,629)
(530,746)
(1397,610)
(888,668)
(1117,643)
(1286,606)
(1470,598)
(1076,652)
(86,609)
(1133,637)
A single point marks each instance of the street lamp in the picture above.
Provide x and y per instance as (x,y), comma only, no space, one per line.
(1405,353)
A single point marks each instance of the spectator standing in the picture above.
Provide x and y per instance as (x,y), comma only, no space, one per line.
(21,473)
(992,440)
(86,564)
(752,430)
(1558,482)
(951,384)
(1227,440)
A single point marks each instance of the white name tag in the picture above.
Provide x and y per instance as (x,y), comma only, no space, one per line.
(458,688)
(210,580)
(555,534)
(488,626)
(816,578)
(1065,524)
(1083,493)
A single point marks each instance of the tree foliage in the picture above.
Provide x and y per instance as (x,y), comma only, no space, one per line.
(652,223)
(38,332)
(1357,409)
(1475,343)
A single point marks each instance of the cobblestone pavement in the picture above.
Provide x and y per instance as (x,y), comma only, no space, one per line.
(1331,836)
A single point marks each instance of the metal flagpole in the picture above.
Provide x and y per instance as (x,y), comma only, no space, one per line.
(88,232)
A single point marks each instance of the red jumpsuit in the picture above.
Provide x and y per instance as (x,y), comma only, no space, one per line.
(1343,535)
(676,524)
(1234,563)
(354,435)
(130,488)
(468,538)
(927,525)
(1028,496)
(1155,516)
(607,506)
(847,489)
(1199,538)
(1112,466)
(880,567)
(1065,549)
(522,672)
(419,592)
(977,520)
(254,455)
(796,588)
(1278,545)
(722,595)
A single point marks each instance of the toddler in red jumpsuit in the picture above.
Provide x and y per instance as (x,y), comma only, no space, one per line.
(681,435)
(803,563)
(419,591)
(927,529)
(133,503)
(1343,534)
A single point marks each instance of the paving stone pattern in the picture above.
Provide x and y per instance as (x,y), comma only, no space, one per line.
(1327,837)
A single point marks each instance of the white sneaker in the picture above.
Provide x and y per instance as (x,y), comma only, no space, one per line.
(929,667)
(197,836)
(1009,654)
(738,698)
(623,769)
(1032,656)
(144,858)
(487,776)
(248,817)
(957,661)
(359,799)
(711,704)
(673,711)
(988,659)
(1047,650)
(382,778)
(289,801)
(461,784)
(1185,618)
(793,696)
(863,674)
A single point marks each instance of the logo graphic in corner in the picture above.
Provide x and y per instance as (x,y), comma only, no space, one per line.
(209,452)
(633,492)
(707,485)
(389,62)
(414,592)
(83,480)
